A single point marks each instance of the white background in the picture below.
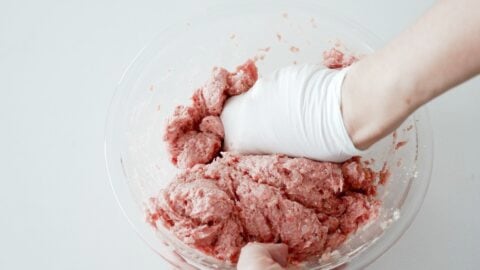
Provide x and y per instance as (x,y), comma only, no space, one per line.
(59,64)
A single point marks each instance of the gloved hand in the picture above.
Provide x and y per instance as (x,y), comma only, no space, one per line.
(295,111)
(256,256)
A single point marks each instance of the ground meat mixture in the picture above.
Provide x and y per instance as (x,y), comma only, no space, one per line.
(221,201)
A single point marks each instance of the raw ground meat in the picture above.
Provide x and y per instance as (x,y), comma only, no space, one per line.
(311,206)
(221,201)
(334,58)
(194,133)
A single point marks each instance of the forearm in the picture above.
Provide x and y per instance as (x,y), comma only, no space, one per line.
(438,52)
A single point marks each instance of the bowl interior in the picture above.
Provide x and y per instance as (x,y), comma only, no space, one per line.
(180,59)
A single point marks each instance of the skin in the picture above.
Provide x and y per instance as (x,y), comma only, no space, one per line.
(258,256)
(438,52)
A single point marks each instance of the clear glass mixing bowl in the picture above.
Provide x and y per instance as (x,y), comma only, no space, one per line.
(276,33)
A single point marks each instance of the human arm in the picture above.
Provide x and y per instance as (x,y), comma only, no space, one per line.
(296,110)
(441,50)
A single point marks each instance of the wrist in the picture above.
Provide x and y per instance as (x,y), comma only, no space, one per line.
(374,101)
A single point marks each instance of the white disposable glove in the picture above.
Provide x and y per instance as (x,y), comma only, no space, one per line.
(296,111)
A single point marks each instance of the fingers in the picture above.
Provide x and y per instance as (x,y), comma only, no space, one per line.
(256,256)
(278,252)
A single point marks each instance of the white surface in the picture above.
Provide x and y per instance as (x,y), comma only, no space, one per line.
(59,63)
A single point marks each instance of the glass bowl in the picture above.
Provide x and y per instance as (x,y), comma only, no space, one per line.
(275,33)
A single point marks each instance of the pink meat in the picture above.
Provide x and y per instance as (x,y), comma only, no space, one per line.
(218,203)
(305,204)
(194,133)
(334,58)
